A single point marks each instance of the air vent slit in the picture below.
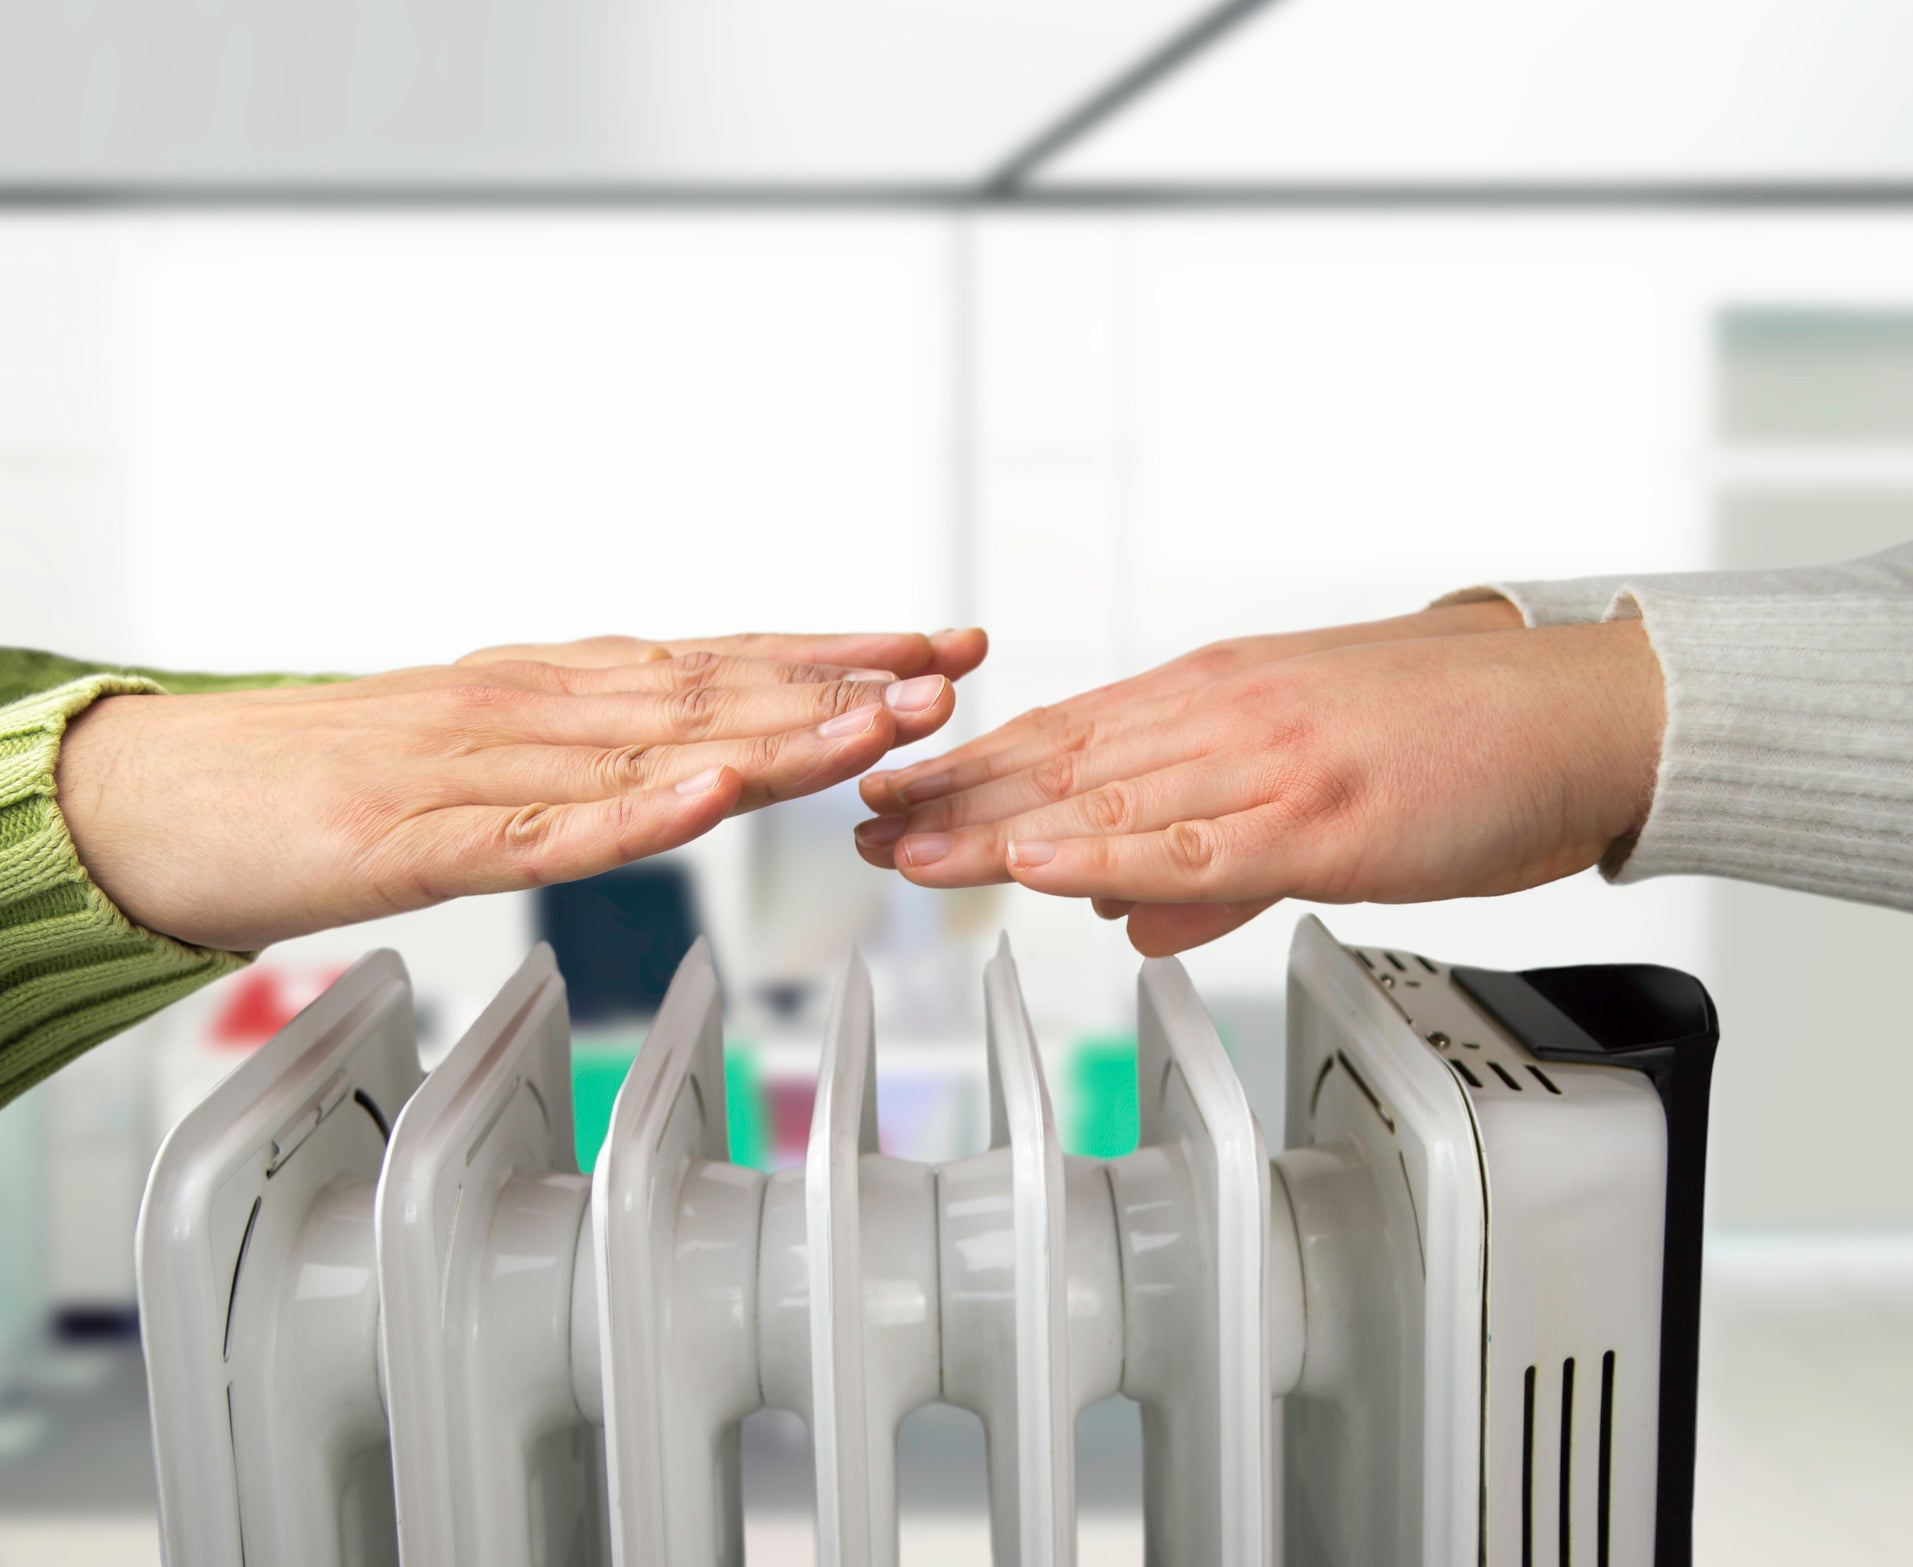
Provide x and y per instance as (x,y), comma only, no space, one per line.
(1542,1078)
(1374,1099)
(1426,964)
(1462,1068)
(1567,1459)
(370,1106)
(1501,1072)
(238,1262)
(1400,967)
(1321,1077)
(1606,1470)
(1527,1469)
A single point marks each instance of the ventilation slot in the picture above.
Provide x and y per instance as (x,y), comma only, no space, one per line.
(1501,1072)
(370,1106)
(1374,1101)
(1567,1457)
(238,1262)
(1462,1068)
(1527,1469)
(1543,1079)
(1400,967)
(1426,964)
(1606,1458)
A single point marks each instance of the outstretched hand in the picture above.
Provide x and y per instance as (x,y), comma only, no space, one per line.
(241,818)
(1391,770)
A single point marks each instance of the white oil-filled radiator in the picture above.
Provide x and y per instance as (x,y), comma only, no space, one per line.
(1453,1321)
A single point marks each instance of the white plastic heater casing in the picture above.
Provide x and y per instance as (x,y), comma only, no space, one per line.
(445,1346)
(1508,1216)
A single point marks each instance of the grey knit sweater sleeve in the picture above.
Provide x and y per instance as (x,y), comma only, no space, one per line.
(1788,754)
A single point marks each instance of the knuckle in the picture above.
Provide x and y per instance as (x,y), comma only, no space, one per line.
(692,710)
(629,824)
(529,827)
(1218,658)
(457,717)
(694,668)
(1055,776)
(1194,847)
(477,697)
(521,671)
(367,818)
(1312,793)
(627,768)
(845,696)
(1075,737)
(1111,808)
(524,843)
(759,755)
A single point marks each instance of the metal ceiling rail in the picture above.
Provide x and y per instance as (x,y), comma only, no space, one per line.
(1013,174)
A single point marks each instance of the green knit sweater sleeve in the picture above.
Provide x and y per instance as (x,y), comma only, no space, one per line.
(73,969)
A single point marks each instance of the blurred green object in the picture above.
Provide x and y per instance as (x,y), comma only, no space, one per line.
(744,1107)
(1102,1120)
(598,1072)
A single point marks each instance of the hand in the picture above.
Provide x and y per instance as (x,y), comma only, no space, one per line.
(241,818)
(1037,733)
(1392,771)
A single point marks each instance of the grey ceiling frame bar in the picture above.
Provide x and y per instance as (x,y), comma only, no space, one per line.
(1014,173)
(1382,196)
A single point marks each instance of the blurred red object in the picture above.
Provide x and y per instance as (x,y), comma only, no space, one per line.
(262,1000)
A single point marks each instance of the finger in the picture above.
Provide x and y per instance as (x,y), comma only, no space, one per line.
(1064,773)
(478,849)
(1111,908)
(773,767)
(876,840)
(1159,930)
(1027,738)
(979,855)
(955,653)
(684,672)
(493,716)
(903,652)
(1223,859)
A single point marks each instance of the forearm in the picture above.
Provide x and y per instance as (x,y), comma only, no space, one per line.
(1788,751)
(73,969)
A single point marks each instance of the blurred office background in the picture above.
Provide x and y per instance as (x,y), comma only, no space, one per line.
(327,345)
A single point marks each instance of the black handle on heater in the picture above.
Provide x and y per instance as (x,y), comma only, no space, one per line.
(1661,1022)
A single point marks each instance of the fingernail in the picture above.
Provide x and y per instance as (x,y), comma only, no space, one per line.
(855,722)
(1031,851)
(701,783)
(881,833)
(917,790)
(913,696)
(926,848)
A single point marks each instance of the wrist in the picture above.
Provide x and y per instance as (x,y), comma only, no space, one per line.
(1616,678)
(1476,615)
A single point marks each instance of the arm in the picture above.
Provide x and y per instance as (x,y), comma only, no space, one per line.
(1461,766)
(155,829)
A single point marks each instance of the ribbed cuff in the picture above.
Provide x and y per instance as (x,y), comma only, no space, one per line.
(1788,752)
(73,969)
(1577,602)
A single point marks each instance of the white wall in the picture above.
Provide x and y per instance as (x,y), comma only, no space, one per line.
(355,441)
